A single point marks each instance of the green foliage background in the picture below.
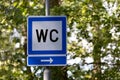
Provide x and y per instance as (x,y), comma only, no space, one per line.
(86,19)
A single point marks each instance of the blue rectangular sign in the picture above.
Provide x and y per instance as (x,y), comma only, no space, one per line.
(46,60)
(46,35)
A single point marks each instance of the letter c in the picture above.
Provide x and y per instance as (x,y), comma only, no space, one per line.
(51,37)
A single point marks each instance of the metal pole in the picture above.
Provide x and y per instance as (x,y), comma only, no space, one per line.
(46,71)
(47,11)
(46,74)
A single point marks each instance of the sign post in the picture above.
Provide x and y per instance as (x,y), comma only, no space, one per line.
(46,37)
(47,72)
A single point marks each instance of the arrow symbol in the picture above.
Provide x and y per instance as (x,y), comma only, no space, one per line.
(49,60)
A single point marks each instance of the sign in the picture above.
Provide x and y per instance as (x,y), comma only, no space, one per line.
(46,60)
(46,37)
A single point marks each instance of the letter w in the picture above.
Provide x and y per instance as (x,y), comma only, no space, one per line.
(41,35)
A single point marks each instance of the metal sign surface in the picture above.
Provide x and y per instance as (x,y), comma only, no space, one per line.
(46,35)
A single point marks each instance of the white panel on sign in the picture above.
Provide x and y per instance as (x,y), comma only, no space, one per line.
(47,35)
